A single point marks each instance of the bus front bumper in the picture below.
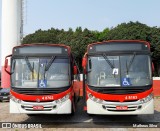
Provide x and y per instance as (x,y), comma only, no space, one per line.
(41,108)
(109,108)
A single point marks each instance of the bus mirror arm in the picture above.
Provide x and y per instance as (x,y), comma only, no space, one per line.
(84,63)
(6,64)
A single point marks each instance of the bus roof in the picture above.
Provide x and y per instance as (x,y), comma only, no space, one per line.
(119,41)
(43,45)
(141,41)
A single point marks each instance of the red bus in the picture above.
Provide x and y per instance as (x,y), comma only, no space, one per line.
(42,79)
(118,78)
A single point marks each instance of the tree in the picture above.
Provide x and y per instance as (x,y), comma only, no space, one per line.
(80,39)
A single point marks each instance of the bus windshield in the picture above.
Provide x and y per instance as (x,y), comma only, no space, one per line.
(46,72)
(131,70)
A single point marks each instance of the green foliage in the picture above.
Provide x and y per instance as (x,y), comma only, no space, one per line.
(129,31)
(79,39)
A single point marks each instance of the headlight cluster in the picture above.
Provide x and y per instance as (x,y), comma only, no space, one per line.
(146,99)
(63,99)
(15,99)
(94,98)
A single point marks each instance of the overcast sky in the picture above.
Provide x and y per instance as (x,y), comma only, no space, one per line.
(91,14)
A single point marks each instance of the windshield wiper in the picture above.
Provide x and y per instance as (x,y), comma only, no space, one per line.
(30,67)
(13,66)
(89,65)
(108,61)
(50,63)
(130,63)
(29,64)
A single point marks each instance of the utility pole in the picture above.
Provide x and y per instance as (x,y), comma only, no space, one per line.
(12,28)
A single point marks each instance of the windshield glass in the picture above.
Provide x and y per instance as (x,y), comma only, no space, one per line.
(123,71)
(50,72)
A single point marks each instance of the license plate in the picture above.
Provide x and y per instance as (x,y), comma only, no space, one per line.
(121,107)
(5,97)
(38,107)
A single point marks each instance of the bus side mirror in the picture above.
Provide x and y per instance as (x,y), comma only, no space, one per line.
(6,65)
(84,63)
(75,70)
(153,69)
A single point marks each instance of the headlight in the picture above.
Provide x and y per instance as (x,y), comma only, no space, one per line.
(94,98)
(15,99)
(63,99)
(146,99)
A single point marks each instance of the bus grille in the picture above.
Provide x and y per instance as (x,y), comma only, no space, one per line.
(30,108)
(113,108)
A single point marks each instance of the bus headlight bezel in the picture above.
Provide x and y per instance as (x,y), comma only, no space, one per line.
(15,99)
(97,100)
(63,99)
(147,99)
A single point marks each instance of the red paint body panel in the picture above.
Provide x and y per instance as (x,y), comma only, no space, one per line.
(35,97)
(156,87)
(120,98)
(5,78)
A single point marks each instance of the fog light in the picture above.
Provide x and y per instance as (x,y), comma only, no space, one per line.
(103,107)
(147,99)
(54,106)
(139,107)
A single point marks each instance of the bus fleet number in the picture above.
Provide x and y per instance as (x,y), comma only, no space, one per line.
(47,98)
(131,97)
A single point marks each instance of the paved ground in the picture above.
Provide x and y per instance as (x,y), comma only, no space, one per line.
(81,119)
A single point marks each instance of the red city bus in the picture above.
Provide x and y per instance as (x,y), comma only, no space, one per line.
(118,78)
(42,79)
